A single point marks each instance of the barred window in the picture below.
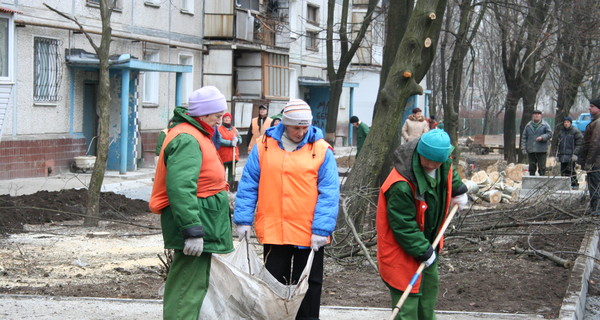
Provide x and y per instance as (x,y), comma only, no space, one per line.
(48,68)
(276,75)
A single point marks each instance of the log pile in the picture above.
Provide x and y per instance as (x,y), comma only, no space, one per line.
(496,186)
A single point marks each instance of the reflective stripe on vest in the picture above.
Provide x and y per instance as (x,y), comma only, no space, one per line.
(288,192)
(211,179)
(397,267)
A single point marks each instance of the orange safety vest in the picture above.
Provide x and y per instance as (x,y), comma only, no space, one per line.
(288,192)
(395,265)
(211,179)
(258,133)
(226,153)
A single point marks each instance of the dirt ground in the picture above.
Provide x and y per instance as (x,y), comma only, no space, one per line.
(48,252)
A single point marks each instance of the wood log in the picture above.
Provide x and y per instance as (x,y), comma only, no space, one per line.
(515,172)
(495,176)
(472,187)
(492,196)
(509,182)
(481,177)
(565,263)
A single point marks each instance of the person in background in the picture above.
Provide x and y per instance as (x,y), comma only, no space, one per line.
(192,202)
(414,201)
(432,123)
(229,140)
(275,121)
(414,126)
(290,190)
(258,126)
(570,140)
(534,143)
(589,158)
(362,130)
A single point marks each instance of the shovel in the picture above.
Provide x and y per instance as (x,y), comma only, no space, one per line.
(233,184)
(422,265)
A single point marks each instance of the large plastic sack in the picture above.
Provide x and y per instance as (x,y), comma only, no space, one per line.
(240,287)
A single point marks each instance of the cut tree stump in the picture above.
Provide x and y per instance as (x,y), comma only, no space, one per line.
(492,196)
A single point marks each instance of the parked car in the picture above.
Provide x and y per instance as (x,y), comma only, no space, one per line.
(582,122)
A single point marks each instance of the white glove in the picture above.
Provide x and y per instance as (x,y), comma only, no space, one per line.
(234,141)
(431,260)
(193,246)
(243,231)
(461,200)
(317,242)
(574,158)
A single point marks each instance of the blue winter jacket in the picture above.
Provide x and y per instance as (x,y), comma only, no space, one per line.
(328,185)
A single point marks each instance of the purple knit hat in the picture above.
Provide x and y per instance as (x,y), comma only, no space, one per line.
(206,100)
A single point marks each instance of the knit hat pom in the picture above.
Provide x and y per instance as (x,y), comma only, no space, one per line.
(206,100)
(297,113)
(435,145)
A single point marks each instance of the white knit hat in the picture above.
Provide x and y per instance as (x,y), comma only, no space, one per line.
(206,100)
(297,113)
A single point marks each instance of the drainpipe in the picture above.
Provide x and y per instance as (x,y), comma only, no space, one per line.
(350,127)
(124,120)
(72,102)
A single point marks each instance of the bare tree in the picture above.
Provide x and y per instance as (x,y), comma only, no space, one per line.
(415,51)
(579,27)
(525,28)
(93,194)
(348,47)
(469,20)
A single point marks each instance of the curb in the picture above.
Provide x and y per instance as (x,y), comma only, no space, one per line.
(573,306)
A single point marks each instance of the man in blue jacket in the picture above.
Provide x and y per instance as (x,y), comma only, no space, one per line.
(291,181)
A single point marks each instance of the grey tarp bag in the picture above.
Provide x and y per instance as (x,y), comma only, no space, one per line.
(240,287)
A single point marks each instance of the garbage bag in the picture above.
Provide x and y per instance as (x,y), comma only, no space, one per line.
(240,287)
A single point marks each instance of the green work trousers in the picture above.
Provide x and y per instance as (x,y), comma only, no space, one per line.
(419,306)
(186,286)
(230,173)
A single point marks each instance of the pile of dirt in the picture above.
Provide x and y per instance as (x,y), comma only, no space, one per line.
(479,270)
(65,205)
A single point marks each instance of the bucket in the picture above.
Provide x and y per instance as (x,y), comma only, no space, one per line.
(85,162)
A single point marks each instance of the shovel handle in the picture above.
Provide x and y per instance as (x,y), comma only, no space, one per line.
(417,274)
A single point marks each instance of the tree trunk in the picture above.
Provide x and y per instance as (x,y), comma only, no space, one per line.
(409,67)
(510,114)
(93,194)
(347,50)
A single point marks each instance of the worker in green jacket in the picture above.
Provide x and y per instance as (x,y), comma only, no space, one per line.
(192,202)
(413,203)
(362,130)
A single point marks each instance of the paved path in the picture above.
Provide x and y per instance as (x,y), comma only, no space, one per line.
(68,308)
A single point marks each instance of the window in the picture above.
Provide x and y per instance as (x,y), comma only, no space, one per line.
(151,80)
(6,47)
(187,6)
(312,14)
(276,75)
(188,79)
(312,40)
(247,4)
(47,69)
(114,3)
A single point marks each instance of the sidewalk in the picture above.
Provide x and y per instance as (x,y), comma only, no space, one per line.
(70,308)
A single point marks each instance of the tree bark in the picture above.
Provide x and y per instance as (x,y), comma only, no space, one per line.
(93,194)
(410,64)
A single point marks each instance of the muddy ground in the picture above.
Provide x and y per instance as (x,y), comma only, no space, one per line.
(48,252)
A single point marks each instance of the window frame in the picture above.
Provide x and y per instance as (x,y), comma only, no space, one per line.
(118,4)
(187,6)
(54,69)
(314,17)
(151,80)
(10,48)
(187,79)
(276,75)
(312,41)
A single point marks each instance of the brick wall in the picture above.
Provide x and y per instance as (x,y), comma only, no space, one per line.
(38,158)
